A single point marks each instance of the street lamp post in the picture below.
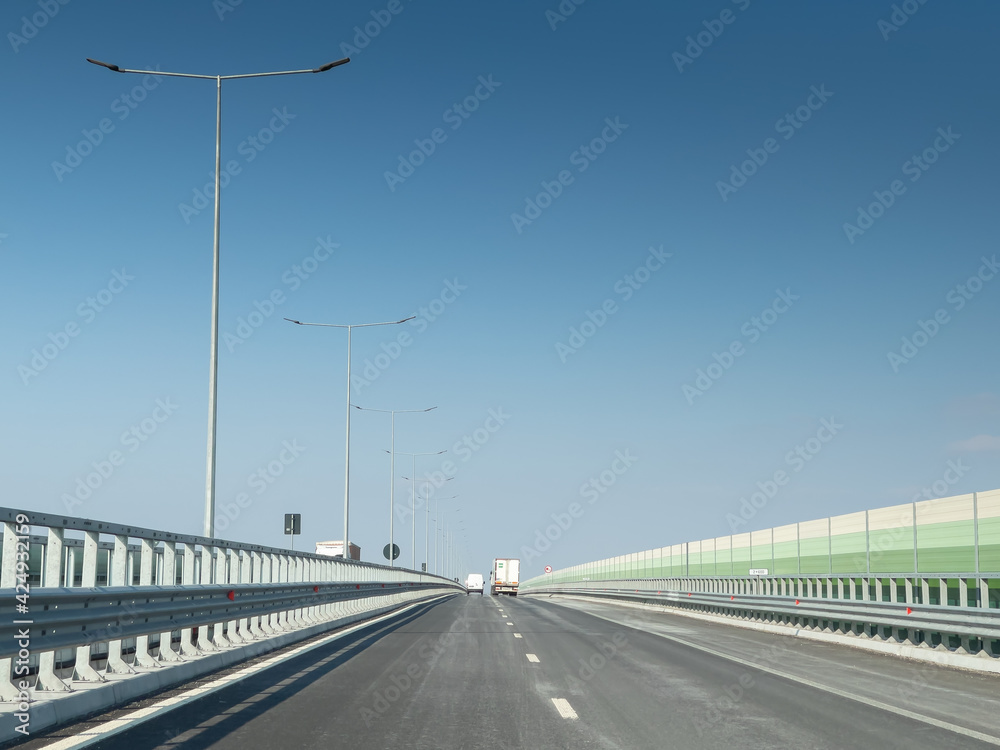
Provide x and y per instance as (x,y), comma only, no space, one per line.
(209,525)
(413,502)
(438,528)
(392,464)
(347,441)
(427,522)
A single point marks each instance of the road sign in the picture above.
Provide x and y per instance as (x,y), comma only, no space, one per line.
(548,568)
(758,571)
(293,523)
(395,552)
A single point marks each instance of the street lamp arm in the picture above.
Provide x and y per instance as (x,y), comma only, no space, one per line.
(351,325)
(321,69)
(394,411)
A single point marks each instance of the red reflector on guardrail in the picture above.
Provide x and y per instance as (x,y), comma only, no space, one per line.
(732,598)
(315,589)
(796,601)
(232,596)
(909,611)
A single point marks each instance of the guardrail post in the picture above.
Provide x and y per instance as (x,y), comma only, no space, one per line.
(51,578)
(243,559)
(82,670)
(267,575)
(227,574)
(117,570)
(142,655)
(168,577)
(255,576)
(205,641)
(187,579)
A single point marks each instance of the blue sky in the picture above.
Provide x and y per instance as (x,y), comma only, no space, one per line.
(702,187)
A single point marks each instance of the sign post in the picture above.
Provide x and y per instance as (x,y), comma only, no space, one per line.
(757,573)
(293,525)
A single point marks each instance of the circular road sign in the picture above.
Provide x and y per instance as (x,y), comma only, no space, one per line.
(395,552)
(548,568)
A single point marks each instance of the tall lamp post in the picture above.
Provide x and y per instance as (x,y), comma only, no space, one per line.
(213,361)
(438,529)
(392,464)
(413,503)
(347,441)
(427,523)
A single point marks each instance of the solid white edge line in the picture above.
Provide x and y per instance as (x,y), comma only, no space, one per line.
(565,710)
(139,716)
(825,688)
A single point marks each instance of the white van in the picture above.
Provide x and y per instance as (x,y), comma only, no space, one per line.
(474,583)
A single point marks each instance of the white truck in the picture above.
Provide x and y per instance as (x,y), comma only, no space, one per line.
(474,584)
(505,575)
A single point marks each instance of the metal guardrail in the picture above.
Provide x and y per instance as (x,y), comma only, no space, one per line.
(204,595)
(984,623)
(972,629)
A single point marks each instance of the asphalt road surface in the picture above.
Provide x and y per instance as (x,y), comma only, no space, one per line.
(532,672)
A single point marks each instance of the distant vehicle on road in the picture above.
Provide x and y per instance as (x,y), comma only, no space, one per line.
(505,574)
(474,583)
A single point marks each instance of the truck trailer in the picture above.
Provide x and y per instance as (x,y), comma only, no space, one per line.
(505,575)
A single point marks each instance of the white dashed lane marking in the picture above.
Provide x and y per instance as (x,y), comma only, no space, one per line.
(532,658)
(565,710)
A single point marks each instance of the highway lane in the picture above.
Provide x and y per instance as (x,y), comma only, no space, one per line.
(458,675)
(943,693)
